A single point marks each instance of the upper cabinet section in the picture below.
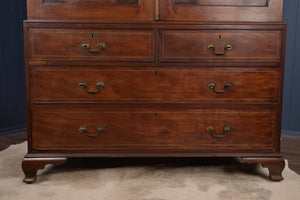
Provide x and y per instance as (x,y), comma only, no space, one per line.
(150,10)
(119,10)
(221,10)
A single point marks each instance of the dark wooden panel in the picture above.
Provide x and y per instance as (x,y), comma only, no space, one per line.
(122,10)
(249,85)
(58,129)
(232,10)
(65,44)
(222,2)
(247,45)
(94,2)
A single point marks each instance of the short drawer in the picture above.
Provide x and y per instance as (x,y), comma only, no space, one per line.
(221,45)
(90,44)
(154,128)
(202,85)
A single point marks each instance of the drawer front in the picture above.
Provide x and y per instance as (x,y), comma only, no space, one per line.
(131,10)
(148,129)
(222,10)
(221,45)
(205,85)
(86,45)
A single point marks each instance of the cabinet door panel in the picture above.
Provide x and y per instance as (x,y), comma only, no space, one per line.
(135,10)
(220,10)
(94,2)
(222,2)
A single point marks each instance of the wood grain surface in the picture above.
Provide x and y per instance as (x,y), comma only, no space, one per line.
(65,44)
(165,129)
(247,45)
(249,85)
(92,10)
(216,10)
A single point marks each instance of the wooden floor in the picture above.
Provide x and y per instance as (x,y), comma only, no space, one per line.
(16,138)
(290,147)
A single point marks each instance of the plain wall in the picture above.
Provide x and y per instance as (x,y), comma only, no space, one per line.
(12,78)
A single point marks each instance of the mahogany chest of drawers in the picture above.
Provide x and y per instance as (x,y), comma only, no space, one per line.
(154,78)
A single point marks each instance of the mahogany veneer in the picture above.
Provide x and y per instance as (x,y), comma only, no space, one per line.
(158,128)
(121,45)
(154,78)
(248,45)
(124,10)
(221,10)
(249,85)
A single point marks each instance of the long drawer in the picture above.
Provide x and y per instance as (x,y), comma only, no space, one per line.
(91,44)
(221,45)
(62,129)
(201,85)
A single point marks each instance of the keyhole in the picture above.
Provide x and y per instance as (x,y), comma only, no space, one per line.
(220,37)
(92,36)
(155,115)
(156,73)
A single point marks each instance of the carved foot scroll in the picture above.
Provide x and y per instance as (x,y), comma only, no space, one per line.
(30,166)
(275,165)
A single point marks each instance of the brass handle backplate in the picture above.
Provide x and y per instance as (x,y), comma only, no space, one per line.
(212,86)
(83,130)
(100,46)
(85,45)
(100,129)
(227,47)
(211,130)
(99,86)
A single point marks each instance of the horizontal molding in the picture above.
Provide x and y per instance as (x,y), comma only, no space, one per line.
(14,129)
(288,133)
